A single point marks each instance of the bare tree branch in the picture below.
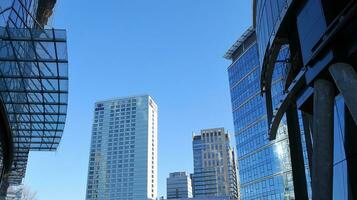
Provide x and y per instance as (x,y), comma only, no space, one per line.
(27,194)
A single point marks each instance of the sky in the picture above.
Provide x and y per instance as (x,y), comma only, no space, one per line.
(170,49)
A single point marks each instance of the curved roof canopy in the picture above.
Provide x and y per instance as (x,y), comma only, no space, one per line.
(33,88)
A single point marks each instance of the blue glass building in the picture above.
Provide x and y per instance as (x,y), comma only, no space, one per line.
(321,82)
(264,166)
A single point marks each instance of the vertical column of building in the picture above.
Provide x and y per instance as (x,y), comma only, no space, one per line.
(152,149)
(197,162)
(140,187)
(232,175)
(189,186)
(96,159)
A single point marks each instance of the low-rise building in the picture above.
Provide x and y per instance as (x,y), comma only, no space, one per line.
(179,185)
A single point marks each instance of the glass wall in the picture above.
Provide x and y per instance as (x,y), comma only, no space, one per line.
(264,166)
(34,83)
(340,177)
(269,14)
(311,24)
(18,13)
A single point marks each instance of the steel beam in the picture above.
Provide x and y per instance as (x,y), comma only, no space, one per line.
(288,97)
(269,106)
(322,159)
(345,78)
(296,153)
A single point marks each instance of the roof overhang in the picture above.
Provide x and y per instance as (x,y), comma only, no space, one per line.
(238,43)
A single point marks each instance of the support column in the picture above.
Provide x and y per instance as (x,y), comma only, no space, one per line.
(322,159)
(296,153)
(345,78)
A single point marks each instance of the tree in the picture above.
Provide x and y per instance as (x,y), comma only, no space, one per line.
(27,194)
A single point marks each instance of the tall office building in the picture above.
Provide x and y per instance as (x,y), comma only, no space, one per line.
(179,185)
(214,165)
(33,85)
(264,166)
(123,152)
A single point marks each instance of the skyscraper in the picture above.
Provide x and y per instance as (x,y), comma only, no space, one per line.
(264,166)
(179,185)
(123,152)
(214,165)
(33,85)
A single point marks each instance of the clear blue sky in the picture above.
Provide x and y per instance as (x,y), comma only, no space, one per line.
(169,49)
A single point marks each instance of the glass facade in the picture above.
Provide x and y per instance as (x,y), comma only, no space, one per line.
(264,166)
(314,20)
(214,165)
(33,79)
(123,152)
(340,179)
(268,17)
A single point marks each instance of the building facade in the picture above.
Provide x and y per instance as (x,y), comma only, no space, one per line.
(321,83)
(33,85)
(123,152)
(214,165)
(178,185)
(264,166)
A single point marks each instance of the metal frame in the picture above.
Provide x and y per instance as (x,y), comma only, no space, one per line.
(33,83)
(327,68)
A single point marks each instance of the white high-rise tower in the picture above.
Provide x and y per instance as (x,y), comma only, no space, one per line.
(123,152)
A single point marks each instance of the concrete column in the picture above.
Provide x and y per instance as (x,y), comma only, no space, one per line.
(322,157)
(345,78)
